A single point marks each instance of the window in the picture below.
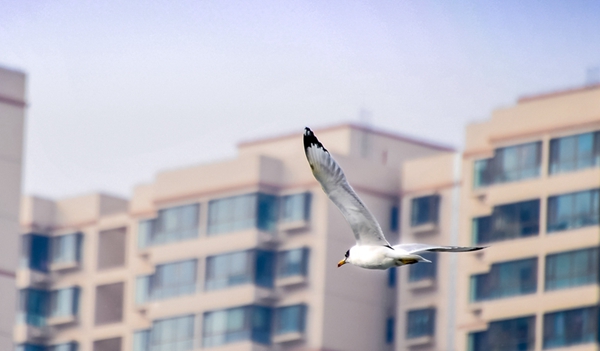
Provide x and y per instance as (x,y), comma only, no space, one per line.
(111,248)
(417,272)
(38,251)
(242,212)
(240,268)
(237,324)
(572,327)
(505,279)
(292,262)
(420,323)
(169,280)
(109,303)
(35,252)
(574,152)
(394,219)
(35,305)
(113,344)
(64,302)
(389,330)
(295,207)
(508,221)
(141,340)
(574,210)
(289,319)
(425,210)
(509,164)
(573,268)
(172,334)
(171,225)
(66,248)
(71,346)
(29,347)
(392,274)
(505,335)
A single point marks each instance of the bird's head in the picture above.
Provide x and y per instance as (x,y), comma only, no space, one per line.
(345,260)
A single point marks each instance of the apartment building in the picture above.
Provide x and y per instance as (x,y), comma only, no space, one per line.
(12,124)
(235,255)
(531,182)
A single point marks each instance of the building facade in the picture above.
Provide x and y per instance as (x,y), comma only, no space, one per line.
(531,182)
(12,124)
(234,255)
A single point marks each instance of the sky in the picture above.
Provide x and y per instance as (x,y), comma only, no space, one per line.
(120,90)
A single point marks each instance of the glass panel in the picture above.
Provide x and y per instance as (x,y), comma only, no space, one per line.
(292,262)
(265,268)
(506,335)
(572,327)
(63,303)
(290,319)
(574,153)
(420,323)
(172,224)
(573,210)
(506,279)
(295,207)
(40,253)
(509,164)
(425,210)
(423,271)
(508,221)
(172,279)
(229,269)
(573,268)
(173,334)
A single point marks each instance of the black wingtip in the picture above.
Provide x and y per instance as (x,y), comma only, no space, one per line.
(310,139)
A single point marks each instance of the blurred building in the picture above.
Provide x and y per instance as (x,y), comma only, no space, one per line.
(12,121)
(235,255)
(531,183)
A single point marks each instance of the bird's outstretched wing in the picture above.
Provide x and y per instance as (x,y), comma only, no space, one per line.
(416,248)
(333,181)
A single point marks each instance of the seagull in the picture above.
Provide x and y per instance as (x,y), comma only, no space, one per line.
(372,250)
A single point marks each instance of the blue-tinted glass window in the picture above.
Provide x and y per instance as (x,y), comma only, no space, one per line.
(505,279)
(292,262)
(572,268)
(141,340)
(70,346)
(35,252)
(30,347)
(574,152)
(389,330)
(506,335)
(172,334)
(394,219)
(229,269)
(242,212)
(172,224)
(424,210)
(63,302)
(574,210)
(169,280)
(237,324)
(295,207)
(66,248)
(265,268)
(289,319)
(507,222)
(392,276)
(423,271)
(572,327)
(33,307)
(509,164)
(420,323)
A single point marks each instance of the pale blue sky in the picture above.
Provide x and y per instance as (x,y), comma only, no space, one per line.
(122,89)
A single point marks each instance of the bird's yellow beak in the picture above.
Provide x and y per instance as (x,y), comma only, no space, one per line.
(342,262)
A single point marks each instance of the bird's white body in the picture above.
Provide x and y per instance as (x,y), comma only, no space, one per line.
(381,257)
(372,250)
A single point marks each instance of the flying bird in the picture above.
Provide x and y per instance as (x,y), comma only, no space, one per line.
(372,250)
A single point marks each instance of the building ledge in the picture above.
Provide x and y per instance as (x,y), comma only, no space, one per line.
(422,284)
(61,320)
(62,266)
(424,228)
(294,226)
(288,337)
(420,341)
(291,280)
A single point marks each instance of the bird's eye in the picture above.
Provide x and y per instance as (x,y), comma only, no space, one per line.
(347,253)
